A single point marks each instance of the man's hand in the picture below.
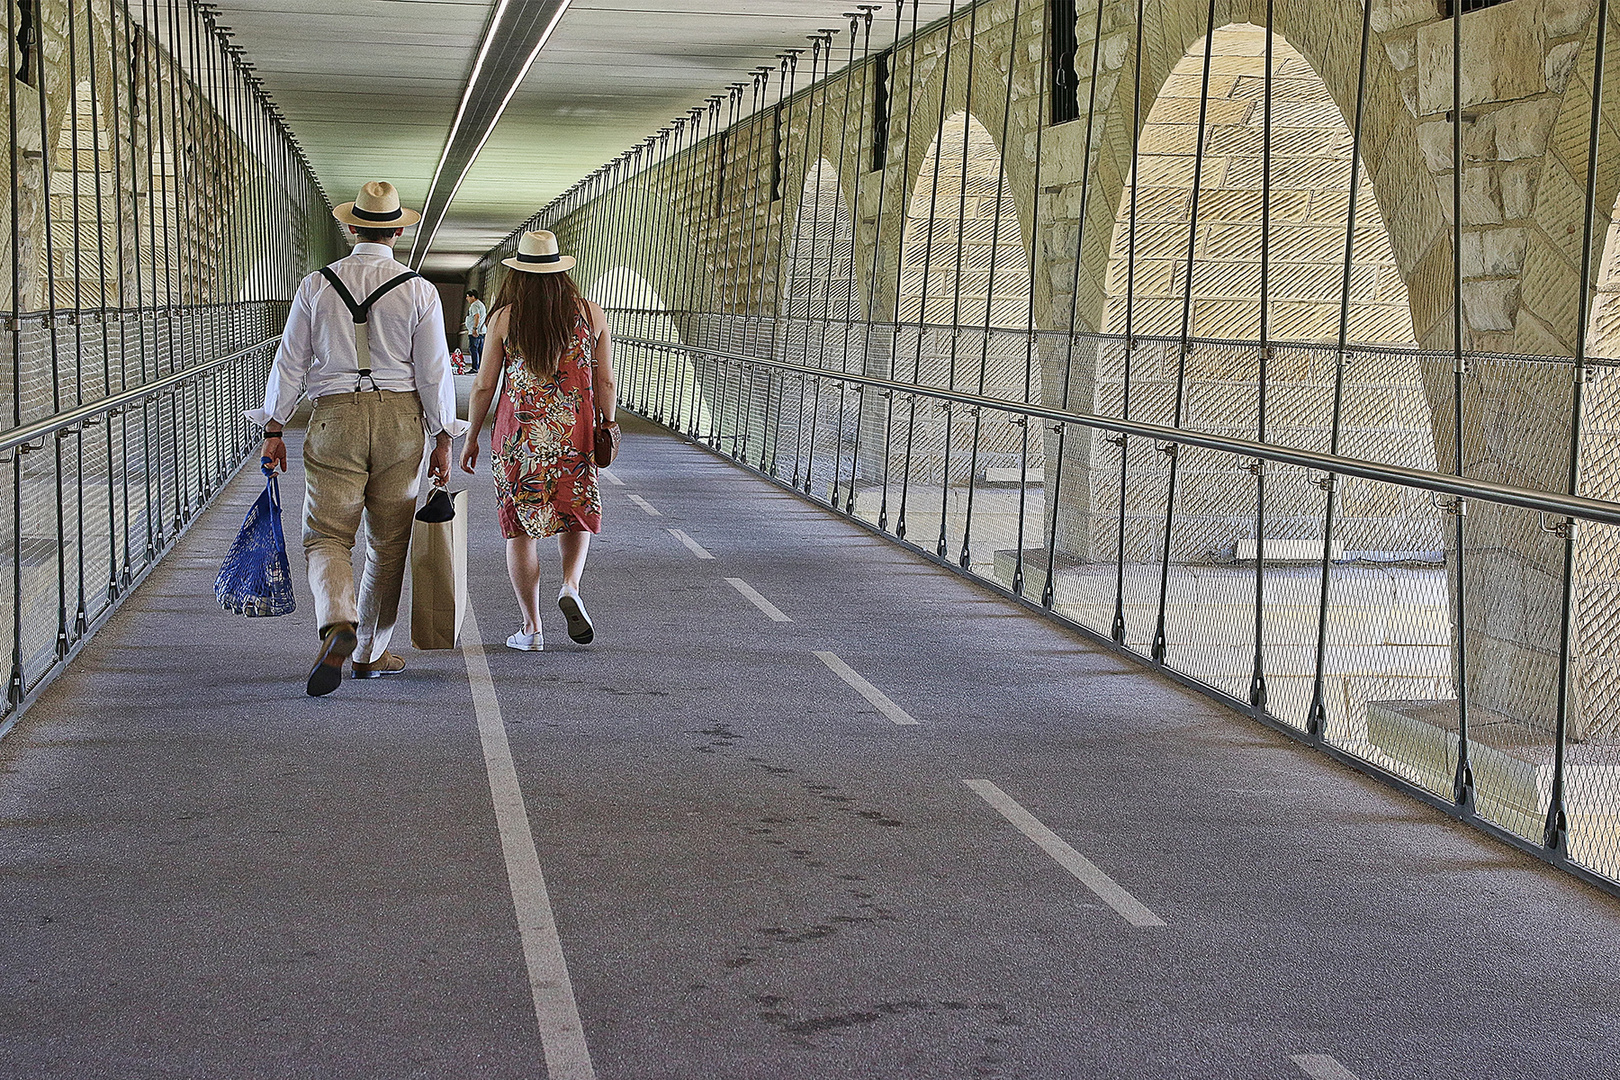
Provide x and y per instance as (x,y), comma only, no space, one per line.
(439,462)
(273,456)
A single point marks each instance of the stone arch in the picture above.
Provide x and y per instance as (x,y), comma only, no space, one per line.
(1324,34)
(958,232)
(1310,189)
(1386,415)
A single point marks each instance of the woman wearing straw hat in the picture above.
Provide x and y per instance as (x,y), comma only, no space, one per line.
(551,350)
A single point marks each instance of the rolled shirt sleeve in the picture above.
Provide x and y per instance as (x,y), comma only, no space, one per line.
(291,367)
(435,382)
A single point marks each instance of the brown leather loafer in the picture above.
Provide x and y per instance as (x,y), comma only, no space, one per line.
(386,664)
(337,645)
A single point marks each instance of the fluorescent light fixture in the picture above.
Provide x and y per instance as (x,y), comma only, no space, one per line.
(466,96)
(494,120)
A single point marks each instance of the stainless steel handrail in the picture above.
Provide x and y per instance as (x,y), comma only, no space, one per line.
(1575,506)
(71,418)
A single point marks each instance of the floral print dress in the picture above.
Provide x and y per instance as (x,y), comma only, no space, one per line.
(544,445)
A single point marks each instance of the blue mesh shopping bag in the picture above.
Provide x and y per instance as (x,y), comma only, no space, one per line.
(256,579)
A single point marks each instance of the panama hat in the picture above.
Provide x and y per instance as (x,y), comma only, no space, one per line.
(376,207)
(537,254)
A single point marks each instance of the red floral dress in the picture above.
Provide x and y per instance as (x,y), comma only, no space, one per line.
(544,445)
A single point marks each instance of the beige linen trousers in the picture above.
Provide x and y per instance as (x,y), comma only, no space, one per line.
(363,455)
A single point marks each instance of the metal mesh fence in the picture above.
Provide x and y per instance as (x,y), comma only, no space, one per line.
(1326,602)
(160,217)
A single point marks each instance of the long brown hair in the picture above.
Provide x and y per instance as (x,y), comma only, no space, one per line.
(540,314)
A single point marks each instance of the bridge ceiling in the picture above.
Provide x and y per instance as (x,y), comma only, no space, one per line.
(372,87)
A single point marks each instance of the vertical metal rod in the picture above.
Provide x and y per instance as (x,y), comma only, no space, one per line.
(1054,498)
(928,252)
(857,20)
(710,296)
(694,331)
(783,317)
(704,194)
(754,269)
(900,240)
(738,271)
(1555,832)
(47,150)
(80,620)
(667,361)
(1118,629)
(15,690)
(1316,719)
(117,57)
(814,415)
(1462,785)
(941,546)
(1257,672)
(667,178)
(1184,346)
(817,42)
(140,128)
(1025,421)
(965,558)
(174,255)
(155,145)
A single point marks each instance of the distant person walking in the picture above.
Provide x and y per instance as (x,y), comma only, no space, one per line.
(365,340)
(552,355)
(476,313)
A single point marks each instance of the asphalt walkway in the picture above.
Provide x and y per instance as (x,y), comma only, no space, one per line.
(810,807)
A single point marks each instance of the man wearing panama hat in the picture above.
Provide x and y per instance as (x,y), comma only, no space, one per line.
(365,340)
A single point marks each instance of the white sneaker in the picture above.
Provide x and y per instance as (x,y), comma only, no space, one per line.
(526,642)
(573,609)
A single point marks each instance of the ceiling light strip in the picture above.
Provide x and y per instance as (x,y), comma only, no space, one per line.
(466,96)
(511,91)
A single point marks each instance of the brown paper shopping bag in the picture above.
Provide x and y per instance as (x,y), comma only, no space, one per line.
(439,579)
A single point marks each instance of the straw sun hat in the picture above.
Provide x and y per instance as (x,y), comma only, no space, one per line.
(376,207)
(537,254)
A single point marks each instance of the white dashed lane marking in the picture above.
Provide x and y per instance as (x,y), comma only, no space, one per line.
(1107,889)
(644,504)
(690,544)
(610,478)
(1321,1067)
(757,600)
(866,689)
(562,1036)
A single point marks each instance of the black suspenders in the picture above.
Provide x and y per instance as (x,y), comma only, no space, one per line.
(361,311)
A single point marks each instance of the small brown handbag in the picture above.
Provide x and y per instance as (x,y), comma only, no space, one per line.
(607,442)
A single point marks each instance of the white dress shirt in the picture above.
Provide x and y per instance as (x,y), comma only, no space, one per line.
(405,336)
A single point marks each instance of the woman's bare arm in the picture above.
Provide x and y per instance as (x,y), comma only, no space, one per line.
(605,388)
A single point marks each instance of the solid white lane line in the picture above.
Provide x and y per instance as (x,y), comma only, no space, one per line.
(867,690)
(614,480)
(691,545)
(644,504)
(758,601)
(562,1035)
(1321,1067)
(1107,889)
